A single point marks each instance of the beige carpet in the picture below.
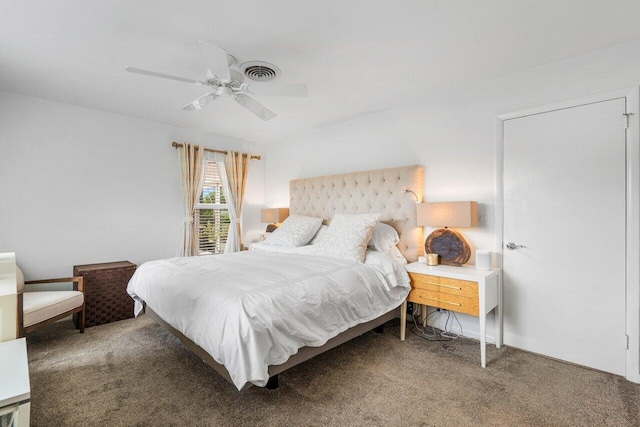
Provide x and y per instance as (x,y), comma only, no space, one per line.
(133,373)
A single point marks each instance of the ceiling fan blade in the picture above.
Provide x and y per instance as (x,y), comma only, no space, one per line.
(199,103)
(254,106)
(216,60)
(271,89)
(163,76)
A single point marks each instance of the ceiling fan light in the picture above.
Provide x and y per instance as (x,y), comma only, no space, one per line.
(225,90)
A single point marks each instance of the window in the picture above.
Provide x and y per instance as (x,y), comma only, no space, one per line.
(211,214)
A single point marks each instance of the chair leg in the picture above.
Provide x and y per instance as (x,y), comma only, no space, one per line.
(20,323)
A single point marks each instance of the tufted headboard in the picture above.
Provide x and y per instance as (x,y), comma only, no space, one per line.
(379,191)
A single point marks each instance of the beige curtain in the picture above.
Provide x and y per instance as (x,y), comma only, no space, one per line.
(237,168)
(191,162)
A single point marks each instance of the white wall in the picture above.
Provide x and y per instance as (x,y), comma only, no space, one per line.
(82,186)
(451,134)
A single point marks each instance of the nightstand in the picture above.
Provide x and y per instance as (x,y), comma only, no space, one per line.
(461,289)
(15,391)
(105,291)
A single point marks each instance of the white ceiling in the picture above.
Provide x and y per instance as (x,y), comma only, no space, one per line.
(357,56)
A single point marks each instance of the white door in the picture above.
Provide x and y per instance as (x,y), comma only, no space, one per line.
(564,200)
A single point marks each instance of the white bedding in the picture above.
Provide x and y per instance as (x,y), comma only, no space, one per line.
(253,309)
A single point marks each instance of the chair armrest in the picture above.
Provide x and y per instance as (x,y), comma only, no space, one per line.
(79,281)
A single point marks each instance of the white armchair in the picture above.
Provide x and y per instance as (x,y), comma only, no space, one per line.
(38,308)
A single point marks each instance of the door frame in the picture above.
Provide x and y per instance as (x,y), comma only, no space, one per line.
(632,262)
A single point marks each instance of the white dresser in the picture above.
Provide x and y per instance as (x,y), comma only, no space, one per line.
(15,391)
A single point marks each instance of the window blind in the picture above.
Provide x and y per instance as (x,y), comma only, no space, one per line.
(211,214)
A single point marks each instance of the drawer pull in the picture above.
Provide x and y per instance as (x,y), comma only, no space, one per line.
(439,300)
(458,288)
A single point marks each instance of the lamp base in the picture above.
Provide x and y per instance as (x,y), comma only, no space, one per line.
(271,228)
(450,245)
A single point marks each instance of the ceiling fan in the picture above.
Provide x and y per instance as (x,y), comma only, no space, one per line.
(224,81)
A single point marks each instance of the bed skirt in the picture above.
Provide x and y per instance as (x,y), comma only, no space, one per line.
(303,354)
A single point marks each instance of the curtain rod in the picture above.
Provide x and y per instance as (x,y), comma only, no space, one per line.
(177,144)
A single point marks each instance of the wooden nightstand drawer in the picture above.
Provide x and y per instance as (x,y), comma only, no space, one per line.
(444,284)
(456,303)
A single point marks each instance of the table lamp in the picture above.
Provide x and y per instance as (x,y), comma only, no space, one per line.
(448,243)
(273,216)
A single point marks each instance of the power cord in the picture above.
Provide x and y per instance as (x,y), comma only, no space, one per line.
(428,333)
(447,332)
(433,334)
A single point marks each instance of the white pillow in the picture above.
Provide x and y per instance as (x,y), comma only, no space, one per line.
(385,239)
(383,236)
(295,231)
(347,236)
(319,235)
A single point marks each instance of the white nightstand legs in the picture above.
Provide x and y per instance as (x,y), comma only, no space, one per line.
(403,320)
(499,313)
(483,338)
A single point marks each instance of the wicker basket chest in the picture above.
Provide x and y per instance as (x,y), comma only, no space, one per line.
(105,291)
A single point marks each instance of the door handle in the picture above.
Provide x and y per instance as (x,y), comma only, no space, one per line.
(512,246)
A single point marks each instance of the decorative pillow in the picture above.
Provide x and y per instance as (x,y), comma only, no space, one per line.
(385,239)
(347,236)
(319,235)
(296,230)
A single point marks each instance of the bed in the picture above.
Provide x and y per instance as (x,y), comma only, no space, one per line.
(252,315)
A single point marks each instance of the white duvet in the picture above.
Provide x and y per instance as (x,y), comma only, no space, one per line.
(253,309)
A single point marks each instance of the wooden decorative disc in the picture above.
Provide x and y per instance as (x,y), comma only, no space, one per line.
(450,245)
(271,228)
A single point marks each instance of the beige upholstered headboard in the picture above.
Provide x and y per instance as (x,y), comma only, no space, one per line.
(378,191)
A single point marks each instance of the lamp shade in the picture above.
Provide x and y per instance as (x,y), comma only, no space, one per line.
(448,214)
(273,215)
